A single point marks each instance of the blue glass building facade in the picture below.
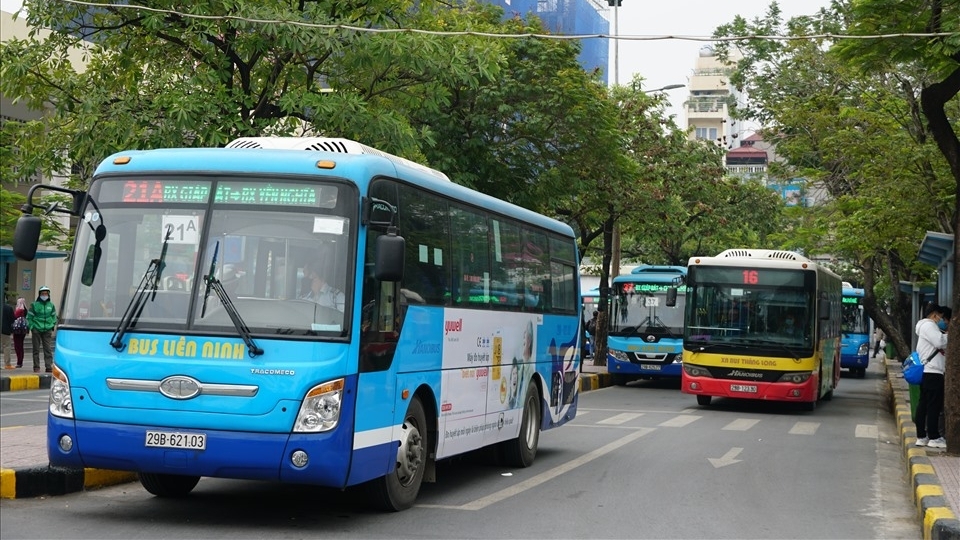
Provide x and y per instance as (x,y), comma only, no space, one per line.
(569,17)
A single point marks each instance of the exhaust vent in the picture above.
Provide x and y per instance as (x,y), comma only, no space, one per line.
(763,254)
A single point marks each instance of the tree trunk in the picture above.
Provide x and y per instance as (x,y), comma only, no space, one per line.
(600,338)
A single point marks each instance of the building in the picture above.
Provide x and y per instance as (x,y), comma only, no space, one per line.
(707,110)
(569,17)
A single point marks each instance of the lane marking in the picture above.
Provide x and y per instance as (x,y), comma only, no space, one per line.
(865,431)
(530,483)
(728,459)
(804,428)
(741,424)
(680,421)
(621,418)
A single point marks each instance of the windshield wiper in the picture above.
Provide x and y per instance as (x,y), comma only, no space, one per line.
(242,328)
(209,279)
(149,284)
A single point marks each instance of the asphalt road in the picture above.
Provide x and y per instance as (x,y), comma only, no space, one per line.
(642,461)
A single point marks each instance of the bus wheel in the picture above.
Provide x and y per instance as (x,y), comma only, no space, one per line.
(618,379)
(861,373)
(703,400)
(521,451)
(168,485)
(398,489)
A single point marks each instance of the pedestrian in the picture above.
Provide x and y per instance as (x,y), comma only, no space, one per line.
(6,335)
(42,319)
(878,341)
(592,324)
(20,329)
(932,344)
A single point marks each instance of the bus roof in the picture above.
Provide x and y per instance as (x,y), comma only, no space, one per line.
(762,258)
(359,166)
(853,291)
(648,273)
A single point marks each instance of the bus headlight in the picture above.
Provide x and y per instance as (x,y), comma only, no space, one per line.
(795,378)
(864,349)
(695,371)
(320,410)
(61,404)
(620,356)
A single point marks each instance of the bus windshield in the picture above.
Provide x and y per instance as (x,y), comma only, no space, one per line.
(642,308)
(280,250)
(853,320)
(728,309)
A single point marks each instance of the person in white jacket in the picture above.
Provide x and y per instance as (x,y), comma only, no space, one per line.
(932,344)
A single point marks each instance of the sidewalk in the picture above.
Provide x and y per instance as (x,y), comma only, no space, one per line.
(25,471)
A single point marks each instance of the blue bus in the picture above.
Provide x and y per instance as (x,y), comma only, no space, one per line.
(645,338)
(855,343)
(194,341)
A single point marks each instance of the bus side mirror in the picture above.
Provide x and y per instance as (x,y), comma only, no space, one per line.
(92,262)
(672,297)
(26,237)
(389,258)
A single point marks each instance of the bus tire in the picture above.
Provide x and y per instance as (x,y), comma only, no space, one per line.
(398,489)
(168,485)
(704,401)
(520,452)
(619,379)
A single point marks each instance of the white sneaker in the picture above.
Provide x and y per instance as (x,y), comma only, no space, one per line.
(921,441)
(937,443)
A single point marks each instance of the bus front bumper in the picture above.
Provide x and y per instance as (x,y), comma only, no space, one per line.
(253,456)
(740,389)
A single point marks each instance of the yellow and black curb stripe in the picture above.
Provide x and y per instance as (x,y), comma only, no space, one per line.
(31,381)
(937,518)
(594,381)
(40,481)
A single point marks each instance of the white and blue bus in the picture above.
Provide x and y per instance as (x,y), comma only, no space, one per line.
(645,339)
(855,344)
(192,342)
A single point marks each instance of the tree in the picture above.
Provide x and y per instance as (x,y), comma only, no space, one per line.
(850,116)
(936,60)
(162,78)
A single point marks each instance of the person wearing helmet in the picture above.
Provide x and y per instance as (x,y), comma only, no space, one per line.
(42,319)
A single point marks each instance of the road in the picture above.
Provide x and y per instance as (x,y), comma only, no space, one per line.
(642,461)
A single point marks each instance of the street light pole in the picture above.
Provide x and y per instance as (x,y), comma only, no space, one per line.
(616,42)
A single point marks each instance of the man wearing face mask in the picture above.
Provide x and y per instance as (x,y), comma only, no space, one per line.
(42,319)
(932,344)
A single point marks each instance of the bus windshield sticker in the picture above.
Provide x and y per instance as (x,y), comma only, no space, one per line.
(329,225)
(185,229)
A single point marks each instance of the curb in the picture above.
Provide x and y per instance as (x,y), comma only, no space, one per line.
(33,381)
(593,381)
(39,481)
(937,518)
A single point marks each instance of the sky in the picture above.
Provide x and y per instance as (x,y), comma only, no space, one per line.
(663,62)
(667,62)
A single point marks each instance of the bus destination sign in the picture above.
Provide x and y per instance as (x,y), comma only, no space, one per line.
(198,192)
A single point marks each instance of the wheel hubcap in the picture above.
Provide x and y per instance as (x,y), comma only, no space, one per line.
(409,454)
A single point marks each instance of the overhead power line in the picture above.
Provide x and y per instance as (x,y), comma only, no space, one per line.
(523,35)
